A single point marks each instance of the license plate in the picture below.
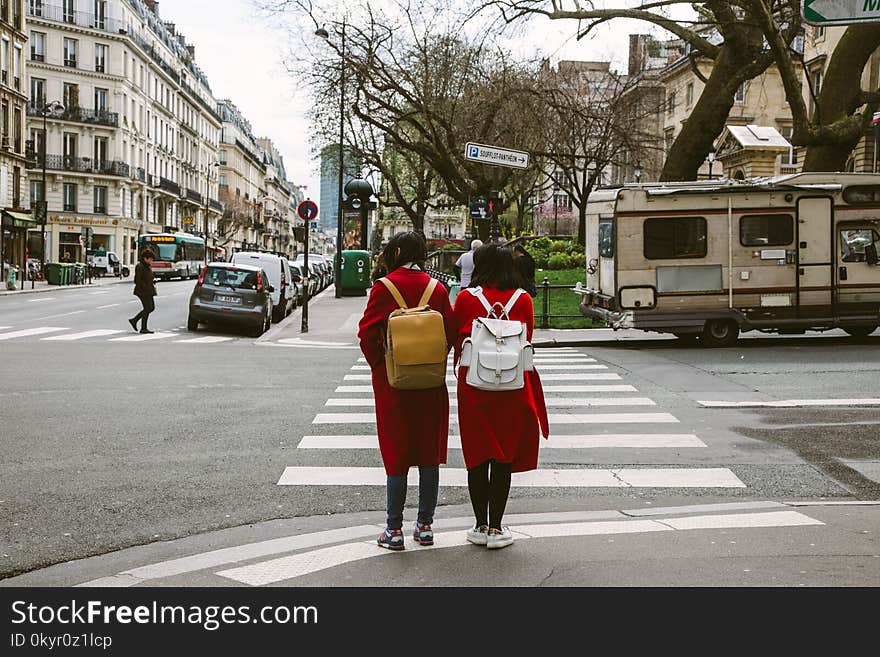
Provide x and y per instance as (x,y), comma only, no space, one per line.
(223,299)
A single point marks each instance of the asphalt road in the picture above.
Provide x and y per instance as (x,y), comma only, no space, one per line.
(108,443)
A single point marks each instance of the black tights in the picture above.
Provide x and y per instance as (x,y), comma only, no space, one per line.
(489,494)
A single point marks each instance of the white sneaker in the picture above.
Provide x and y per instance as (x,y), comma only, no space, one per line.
(499,539)
(478,535)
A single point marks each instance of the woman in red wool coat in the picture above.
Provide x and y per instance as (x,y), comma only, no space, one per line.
(500,430)
(413,425)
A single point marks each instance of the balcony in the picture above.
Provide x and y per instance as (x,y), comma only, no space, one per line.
(139,175)
(192,195)
(85,165)
(169,186)
(70,62)
(100,209)
(37,56)
(215,205)
(78,115)
(59,14)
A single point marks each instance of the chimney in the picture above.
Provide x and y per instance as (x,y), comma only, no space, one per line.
(192,51)
(170,28)
(153,6)
(637,53)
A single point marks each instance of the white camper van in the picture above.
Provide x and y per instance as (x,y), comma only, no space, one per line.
(716,258)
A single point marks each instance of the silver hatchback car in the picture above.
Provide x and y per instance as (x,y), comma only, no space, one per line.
(233,293)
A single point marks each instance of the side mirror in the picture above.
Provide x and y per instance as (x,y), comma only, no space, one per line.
(271,289)
(871,254)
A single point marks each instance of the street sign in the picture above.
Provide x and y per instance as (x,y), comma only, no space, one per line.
(313,225)
(479,207)
(841,12)
(502,157)
(306,210)
(188,220)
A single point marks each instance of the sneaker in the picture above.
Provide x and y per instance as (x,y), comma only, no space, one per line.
(423,534)
(499,538)
(478,535)
(134,324)
(147,331)
(391,539)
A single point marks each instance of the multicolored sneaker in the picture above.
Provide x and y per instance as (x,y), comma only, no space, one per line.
(423,534)
(478,535)
(391,539)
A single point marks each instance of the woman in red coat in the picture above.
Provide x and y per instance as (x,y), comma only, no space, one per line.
(500,430)
(413,425)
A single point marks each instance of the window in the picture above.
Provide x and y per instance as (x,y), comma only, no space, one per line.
(4,119)
(69,9)
(71,96)
(100,14)
(16,69)
(862,195)
(4,61)
(69,145)
(35,7)
(789,159)
(100,200)
(16,131)
(100,58)
(38,46)
(37,191)
(16,187)
(100,100)
(740,96)
(854,242)
(819,32)
(100,150)
(70,52)
(69,197)
(670,103)
(766,230)
(38,92)
(667,238)
(223,181)
(689,96)
(606,239)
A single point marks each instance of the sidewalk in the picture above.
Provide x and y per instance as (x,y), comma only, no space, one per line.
(43,286)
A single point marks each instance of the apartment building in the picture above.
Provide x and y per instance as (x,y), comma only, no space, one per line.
(277,226)
(13,101)
(122,125)
(242,183)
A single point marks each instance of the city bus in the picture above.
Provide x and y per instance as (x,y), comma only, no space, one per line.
(711,259)
(178,255)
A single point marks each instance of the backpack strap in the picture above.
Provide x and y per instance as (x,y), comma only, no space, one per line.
(510,304)
(426,296)
(392,288)
(478,293)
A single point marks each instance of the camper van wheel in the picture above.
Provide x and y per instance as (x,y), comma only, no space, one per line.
(860,331)
(720,333)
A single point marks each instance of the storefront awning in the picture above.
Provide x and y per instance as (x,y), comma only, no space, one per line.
(18,220)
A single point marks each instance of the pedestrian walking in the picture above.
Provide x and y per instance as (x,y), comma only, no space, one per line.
(413,425)
(500,430)
(144,289)
(465,263)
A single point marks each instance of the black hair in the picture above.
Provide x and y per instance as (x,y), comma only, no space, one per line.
(412,248)
(494,267)
(147,253)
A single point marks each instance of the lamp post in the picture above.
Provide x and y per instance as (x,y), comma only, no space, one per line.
(555,207)
(53,107)
(321,32)
(215,165)
(638,172)
(711,158)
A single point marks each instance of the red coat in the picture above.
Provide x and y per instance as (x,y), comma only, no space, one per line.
(506,425)
(413,425)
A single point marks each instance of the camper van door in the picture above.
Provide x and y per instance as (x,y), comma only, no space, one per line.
(815,264)
(858,281)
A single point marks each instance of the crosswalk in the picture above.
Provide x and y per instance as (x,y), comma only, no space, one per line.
(585,413)
(66,335)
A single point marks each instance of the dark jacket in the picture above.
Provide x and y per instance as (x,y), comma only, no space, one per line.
(143,281)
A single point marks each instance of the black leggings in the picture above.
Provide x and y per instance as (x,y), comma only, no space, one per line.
(149,306)
(489,493)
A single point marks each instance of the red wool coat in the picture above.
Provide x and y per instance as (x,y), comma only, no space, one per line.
(413,425)
(505,425)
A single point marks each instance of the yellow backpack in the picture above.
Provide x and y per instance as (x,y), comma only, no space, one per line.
(415,343)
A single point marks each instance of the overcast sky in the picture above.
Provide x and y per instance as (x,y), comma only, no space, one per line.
(241,53)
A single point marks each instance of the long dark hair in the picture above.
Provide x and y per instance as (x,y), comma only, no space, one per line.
(411,247)
(147,253)
(494,267)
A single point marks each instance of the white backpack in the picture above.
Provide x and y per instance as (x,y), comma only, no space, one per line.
(498,352)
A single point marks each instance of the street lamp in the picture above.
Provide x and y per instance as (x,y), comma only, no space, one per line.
(214,165)
(52,107)
(337,274)
(638,172)
(711,158)
(555,207)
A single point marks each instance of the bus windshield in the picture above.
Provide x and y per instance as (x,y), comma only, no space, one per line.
(165,251)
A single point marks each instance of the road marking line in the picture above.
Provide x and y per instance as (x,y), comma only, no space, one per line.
(111,305)
(313,343)
(569,478)
(85,334)
(143,338)
(100,292)
(40,300)
(559,418)
(42,330)
(42,319)
(555,402)
(791,403)
(573,359)
(600,441)
(305,563)
(452,388)
(545,368)
(208,339)
(586,376)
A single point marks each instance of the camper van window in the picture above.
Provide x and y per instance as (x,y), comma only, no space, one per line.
(862,194)
(854,242)
(766,230)
(670,238)
(606,239)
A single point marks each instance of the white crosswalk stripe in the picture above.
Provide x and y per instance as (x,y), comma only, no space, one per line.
(99,333)
(40,330)
(145,337)
(550,401)
(564,441)
(560,418)
(208,339)
(588,376)
(551,389)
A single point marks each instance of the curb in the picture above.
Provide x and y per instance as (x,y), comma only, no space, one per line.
(59,288)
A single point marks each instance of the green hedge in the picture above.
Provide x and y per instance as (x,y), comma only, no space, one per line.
(556,254)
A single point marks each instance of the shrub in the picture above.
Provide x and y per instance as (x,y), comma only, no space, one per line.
(558,261)
(560,247)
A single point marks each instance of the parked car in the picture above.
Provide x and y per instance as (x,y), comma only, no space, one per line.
(234,293)
(278,269)
(296,274)
(315,275)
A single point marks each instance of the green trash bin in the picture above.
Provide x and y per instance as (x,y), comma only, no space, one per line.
(356,267)
(66,273)
(53,273)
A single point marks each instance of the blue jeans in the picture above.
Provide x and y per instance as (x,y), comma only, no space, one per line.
(429,486)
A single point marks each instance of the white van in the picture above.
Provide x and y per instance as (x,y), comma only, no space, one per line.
(278,270)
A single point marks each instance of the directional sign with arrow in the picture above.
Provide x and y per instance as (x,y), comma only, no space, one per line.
(841,12)
(502,157)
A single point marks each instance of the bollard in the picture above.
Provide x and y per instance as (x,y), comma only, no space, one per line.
(545,314)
